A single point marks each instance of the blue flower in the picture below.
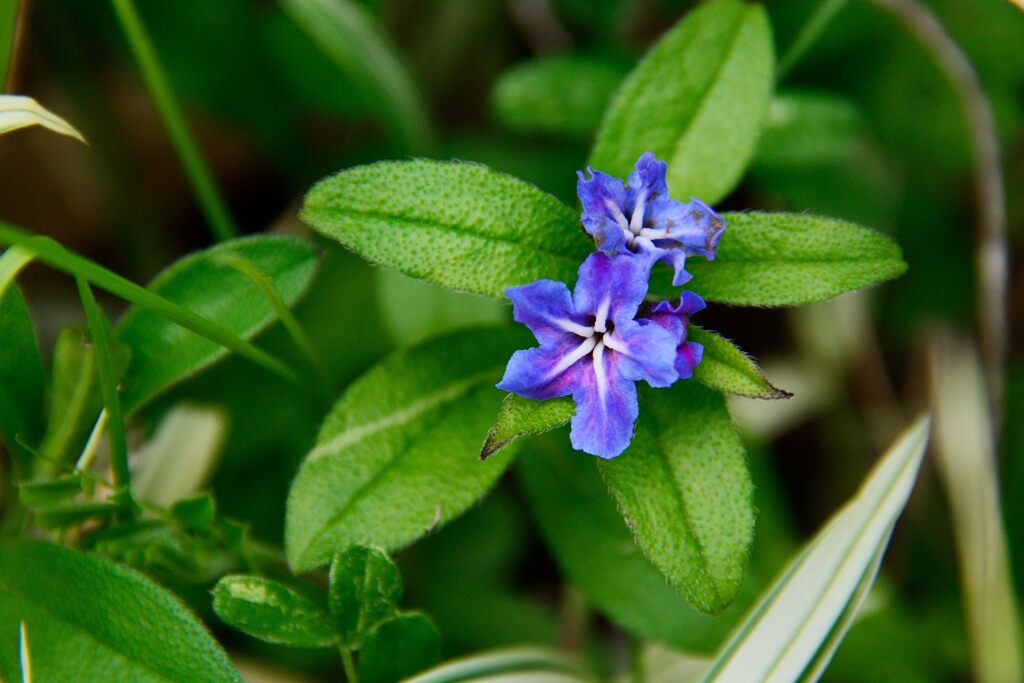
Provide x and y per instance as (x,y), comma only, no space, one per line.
(593,347)
(640,218)
(676,320)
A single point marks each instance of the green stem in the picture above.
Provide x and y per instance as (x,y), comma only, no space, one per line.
(350,664)
(268,288)
(100,333)
(52,253)
(210,200)
(809,34)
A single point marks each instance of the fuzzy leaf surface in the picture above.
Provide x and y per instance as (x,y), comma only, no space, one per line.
(728,370)
(164,353)
(789,259)
(365,589)
(91,620)
(685,491)
(697,100)
(272,611)
(399,453)
(520,417)
(460,225)
(593,547)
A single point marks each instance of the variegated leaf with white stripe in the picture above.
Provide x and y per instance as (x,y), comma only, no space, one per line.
(19,111)
(793,631)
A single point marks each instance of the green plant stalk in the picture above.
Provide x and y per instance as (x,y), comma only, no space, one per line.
(12,261)
(819,20)
(351,675)
(266,285)
(210,199)
(100,333)
(8,39)
(54,254)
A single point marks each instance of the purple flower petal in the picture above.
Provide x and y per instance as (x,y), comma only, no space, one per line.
(547,371)
(611,288)
(649,176)
(646,351)
(688,357)
(544,306)
(606,409)
(603,197)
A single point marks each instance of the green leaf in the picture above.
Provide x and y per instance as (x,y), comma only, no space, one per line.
(350,37)
(808,129)
(399,648)
(594,549)
(40,493)
(520,417)
(685,491)
(74,397)
(273,611)
(398,455)
(164,353)
(787,259)
(365,588)
(460,225)
(67,515)
(195,513)
(17,111)
(22,381)
(800,620)
(91,620)
(563,95)
(8,37)
(697,100)
(728,370)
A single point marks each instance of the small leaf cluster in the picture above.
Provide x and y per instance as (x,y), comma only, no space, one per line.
(358,613)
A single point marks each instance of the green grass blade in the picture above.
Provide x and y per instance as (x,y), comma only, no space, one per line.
(54,254)
(210,200)
(99,330)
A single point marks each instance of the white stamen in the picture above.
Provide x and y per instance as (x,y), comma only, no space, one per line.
(600,375)
(613,342)
(601,322)
(617,214)
(579,352)
(636,221)
(575,328)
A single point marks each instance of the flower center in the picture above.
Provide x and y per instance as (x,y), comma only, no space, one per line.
(632,226)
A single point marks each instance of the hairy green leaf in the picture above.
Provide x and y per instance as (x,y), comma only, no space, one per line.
(22,380)
(273,611)
(685,491)
(523,417)
(697,100)
(350,37)
(399,453)
(91,620)
(727,369)
(365,589)
(164,353)
(801,619)
(460,225)
(564,95)
(595,550)
(399,648)
(787,259)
